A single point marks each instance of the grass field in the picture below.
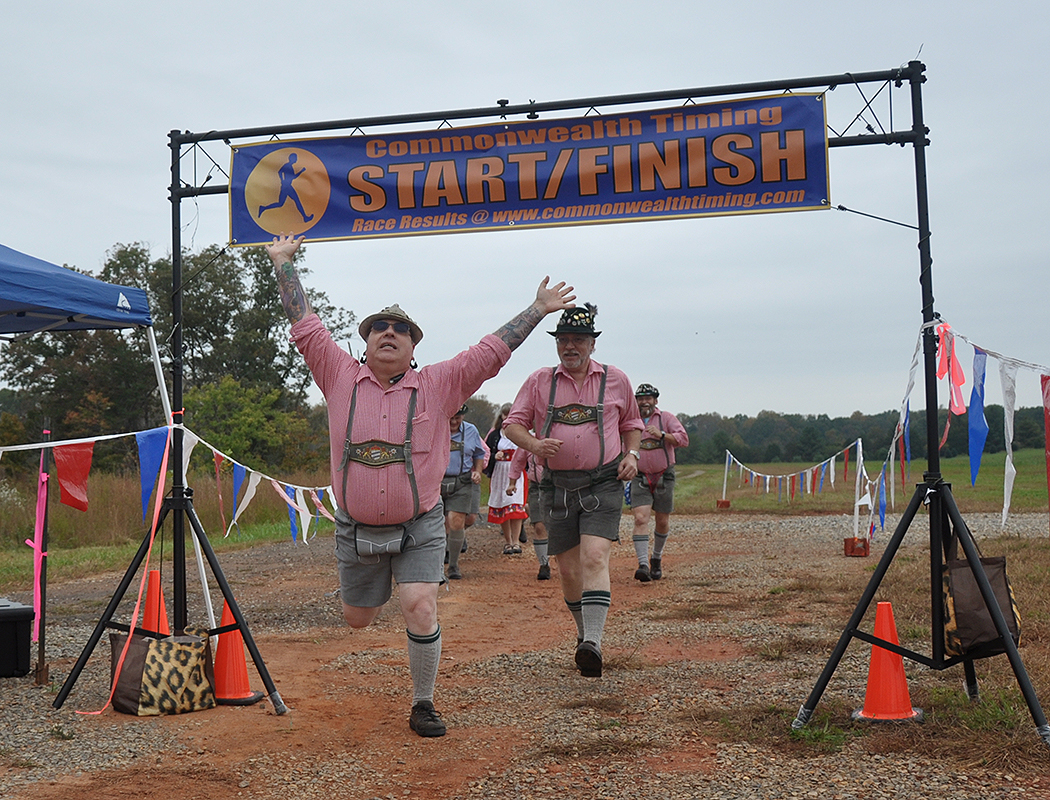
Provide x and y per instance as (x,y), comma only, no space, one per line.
(700,485)
(107,535)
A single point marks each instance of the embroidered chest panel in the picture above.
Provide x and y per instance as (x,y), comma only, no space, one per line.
(651,444)
(456,445)
(575,414)
(375,453)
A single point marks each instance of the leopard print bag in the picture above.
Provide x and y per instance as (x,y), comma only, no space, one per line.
(172,675)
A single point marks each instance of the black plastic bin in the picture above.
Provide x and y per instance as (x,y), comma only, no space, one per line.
(16,625)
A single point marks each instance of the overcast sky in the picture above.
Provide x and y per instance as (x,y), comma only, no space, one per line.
(814,312)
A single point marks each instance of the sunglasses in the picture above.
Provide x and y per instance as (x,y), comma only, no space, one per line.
(381,325)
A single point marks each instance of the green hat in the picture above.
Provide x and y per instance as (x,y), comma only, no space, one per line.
(393,312)
(578,320)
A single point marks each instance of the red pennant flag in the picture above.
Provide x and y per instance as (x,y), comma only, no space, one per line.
(904,476)
(73,463)
(793,486)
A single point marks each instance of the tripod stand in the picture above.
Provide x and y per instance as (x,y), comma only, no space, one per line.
(181,506)
(934,492)
(937,495)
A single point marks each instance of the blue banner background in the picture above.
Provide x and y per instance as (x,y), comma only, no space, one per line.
(756,155)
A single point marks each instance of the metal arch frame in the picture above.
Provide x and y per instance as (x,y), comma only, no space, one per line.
(933,491)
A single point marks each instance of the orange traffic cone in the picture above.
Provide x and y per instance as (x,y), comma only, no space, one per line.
(231,670)
(155,616)
(887,697)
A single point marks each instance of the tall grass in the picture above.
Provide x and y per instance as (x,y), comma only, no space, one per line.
(107,535)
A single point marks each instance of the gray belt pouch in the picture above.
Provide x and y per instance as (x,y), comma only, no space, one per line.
(575,479)
(571,480)
(450,485)
(374,541)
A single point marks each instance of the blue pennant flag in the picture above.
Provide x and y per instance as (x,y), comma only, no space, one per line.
(288,490)
(882,499)
(151,454)
(978,424)
(907,431)
(238,479)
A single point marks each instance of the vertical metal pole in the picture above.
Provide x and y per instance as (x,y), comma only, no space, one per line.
(929,339)
(178,489)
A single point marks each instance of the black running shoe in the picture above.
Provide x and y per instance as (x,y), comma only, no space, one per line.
(589,659)
(425,720)
(655,571)
(642,574)
(545,572)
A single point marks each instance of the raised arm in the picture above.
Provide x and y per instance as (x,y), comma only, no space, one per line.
(282,252)
(548,300)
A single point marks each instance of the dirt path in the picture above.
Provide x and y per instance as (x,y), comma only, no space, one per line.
(522,722)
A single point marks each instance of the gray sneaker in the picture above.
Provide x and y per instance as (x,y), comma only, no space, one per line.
(425,720)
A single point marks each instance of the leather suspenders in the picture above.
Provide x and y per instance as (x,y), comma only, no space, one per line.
(577,414)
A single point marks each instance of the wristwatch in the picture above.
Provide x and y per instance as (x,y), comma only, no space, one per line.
(635,453)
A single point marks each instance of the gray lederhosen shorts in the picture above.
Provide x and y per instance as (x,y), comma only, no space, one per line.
(462,497)
(365,581)
(537,508)
(592,509)
(662,499)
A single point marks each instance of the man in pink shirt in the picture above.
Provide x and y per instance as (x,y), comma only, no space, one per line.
(653,487)
(388,426)
(588,432)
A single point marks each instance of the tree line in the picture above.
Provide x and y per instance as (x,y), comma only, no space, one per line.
(770,437)
(246,387)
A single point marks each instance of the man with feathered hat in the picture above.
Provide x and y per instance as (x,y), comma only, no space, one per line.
(587,434)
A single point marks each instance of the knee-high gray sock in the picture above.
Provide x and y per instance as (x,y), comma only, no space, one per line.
(454,543)
(424,655)
(659,540)
(641,549)
(576,609)
(541,550)
(595,606)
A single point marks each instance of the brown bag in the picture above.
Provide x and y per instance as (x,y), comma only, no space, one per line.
(172,675)
(968,625)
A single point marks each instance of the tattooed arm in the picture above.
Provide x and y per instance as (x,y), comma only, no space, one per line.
(293,298)
(548,299)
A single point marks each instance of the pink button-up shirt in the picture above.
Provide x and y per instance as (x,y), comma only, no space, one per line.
(657,456)
(383,495)
(581,446)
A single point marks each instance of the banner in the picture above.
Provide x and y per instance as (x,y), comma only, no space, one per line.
(754,155)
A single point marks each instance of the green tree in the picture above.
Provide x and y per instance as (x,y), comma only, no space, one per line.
(233,326)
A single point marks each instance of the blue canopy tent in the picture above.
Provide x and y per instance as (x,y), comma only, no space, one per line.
(37,296)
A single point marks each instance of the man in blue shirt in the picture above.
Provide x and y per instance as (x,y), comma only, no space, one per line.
(461,486)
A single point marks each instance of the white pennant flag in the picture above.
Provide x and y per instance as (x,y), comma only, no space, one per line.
(246,498)
(1008,378)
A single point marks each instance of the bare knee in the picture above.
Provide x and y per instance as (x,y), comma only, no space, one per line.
(358,617)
